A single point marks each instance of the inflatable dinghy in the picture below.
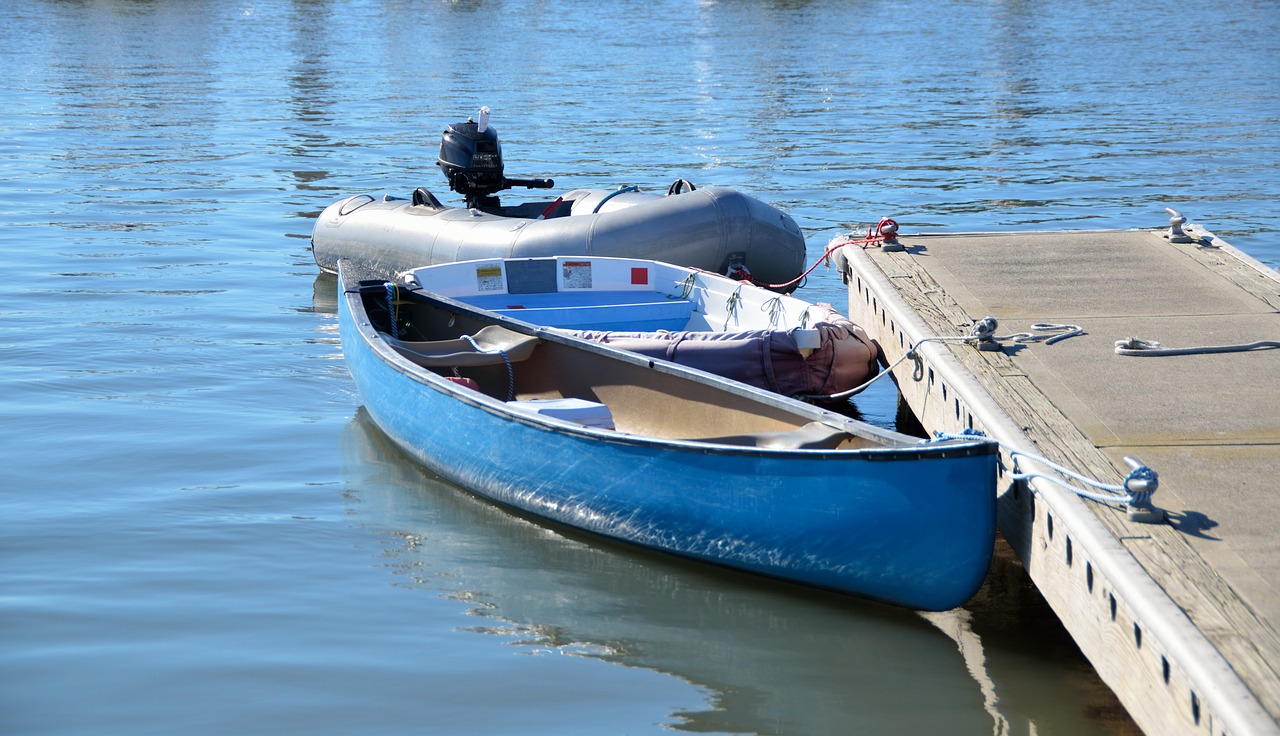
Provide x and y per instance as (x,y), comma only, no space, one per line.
(711,228)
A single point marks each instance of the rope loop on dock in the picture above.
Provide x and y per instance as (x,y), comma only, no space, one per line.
(1050,333)
(1150,348)
(983,332)
(1136,490)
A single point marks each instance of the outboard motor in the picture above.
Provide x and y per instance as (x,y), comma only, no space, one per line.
(471,158)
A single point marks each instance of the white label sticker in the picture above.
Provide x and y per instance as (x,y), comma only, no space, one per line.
(489,278)
(577,274)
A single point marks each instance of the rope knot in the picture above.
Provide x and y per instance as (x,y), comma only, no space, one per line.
(1141,483)
(984,329)
(1134,344)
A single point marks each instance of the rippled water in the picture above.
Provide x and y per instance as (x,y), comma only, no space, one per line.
(202,533)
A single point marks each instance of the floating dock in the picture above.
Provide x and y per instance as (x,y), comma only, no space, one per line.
(1179,616)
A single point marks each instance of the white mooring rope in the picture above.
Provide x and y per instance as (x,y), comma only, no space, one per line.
(1134,346)
(1135,492)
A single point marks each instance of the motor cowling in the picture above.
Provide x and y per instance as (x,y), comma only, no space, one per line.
(471,159)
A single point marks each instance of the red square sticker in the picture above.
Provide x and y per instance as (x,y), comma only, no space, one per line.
(639,275)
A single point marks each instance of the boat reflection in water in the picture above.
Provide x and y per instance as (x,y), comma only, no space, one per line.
(774,658)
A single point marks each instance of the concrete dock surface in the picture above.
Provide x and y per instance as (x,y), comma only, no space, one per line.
(1179,618)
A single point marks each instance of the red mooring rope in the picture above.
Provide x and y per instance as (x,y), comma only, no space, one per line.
(885,230)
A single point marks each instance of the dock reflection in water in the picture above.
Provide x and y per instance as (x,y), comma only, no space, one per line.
(772,658)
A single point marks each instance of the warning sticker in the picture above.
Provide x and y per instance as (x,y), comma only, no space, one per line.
(577,274)
(489,278)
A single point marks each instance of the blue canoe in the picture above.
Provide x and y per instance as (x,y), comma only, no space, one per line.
(667,457)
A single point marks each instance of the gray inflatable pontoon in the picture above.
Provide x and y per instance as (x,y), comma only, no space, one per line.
(711,228)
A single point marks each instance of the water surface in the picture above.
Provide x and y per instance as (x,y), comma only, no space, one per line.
(203,533)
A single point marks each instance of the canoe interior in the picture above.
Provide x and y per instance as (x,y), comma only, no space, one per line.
(642,400)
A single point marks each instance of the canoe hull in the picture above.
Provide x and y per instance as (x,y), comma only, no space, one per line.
(912,526)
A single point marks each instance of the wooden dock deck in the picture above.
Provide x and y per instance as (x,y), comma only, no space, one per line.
(1179,618)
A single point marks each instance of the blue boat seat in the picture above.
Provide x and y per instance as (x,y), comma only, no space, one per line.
(642,311)
(812,436)
(493,342)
